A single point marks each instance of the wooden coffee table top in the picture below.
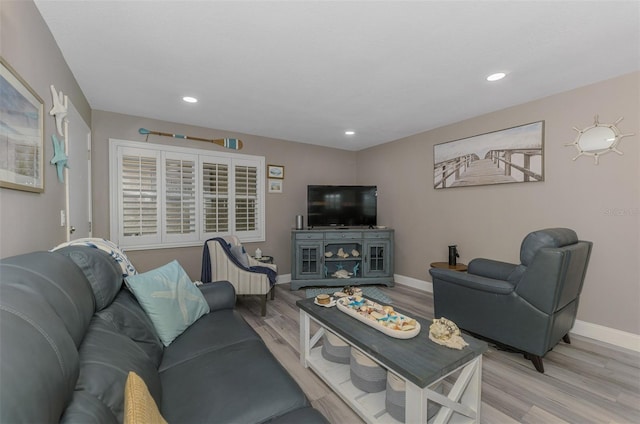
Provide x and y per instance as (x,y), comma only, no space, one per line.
(418,360)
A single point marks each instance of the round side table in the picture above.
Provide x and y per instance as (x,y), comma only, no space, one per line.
(445,265)
(264,259)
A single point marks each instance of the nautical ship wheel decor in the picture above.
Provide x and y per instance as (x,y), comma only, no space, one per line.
(598,139)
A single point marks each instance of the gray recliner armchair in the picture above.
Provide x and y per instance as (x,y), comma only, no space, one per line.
(528,307)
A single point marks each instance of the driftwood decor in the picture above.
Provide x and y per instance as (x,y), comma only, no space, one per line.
(507,156)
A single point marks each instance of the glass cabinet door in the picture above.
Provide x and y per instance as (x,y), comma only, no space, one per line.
(309,260)
(377,257)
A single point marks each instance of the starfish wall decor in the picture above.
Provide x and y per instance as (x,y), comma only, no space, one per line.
(59,157)
(59,110)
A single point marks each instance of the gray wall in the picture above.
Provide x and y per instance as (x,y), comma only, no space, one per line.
(601,202)
(304,164)
(31,221)
(484,221)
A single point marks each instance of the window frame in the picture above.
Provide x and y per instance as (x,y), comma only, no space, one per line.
(162,153)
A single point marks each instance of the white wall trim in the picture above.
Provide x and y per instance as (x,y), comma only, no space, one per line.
(284,278)
(414,283)
(598,332)
(608,335)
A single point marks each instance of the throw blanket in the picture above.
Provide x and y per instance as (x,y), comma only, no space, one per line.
(205,275)
(106,246)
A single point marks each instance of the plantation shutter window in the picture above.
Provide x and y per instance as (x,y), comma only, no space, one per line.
(166,196)
(215,197)
(138,193)
(249,206)
(180,196)
(246,198)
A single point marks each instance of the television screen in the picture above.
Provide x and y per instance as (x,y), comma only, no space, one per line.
(341,206)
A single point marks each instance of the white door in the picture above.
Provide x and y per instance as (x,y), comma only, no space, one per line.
(78,176)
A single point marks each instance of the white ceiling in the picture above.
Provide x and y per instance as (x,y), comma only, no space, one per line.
(307,71)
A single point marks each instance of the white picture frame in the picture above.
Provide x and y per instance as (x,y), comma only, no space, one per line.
(274,185)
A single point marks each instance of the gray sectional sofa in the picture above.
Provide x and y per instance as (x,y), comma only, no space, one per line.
(70,332)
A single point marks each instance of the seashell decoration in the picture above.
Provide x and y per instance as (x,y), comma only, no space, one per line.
(342,253)
(342,273)
(328,254)
(445,332)
(444,329)
(355,253)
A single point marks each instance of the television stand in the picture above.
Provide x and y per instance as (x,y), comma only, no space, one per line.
(321,257)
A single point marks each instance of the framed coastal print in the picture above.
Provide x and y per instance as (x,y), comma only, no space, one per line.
(275,186)
(512,155)
(275,171)
(21,133)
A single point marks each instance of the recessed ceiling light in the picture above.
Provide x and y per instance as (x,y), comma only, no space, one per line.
(189,99)
(350,132)
(497,76)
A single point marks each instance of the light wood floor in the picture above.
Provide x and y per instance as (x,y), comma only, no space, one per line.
(585,382)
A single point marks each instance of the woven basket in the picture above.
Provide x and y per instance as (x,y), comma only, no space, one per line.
(396,396)
(366,375)
(334,349)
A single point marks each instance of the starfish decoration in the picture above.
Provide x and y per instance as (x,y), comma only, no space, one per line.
(59,109)
(59,157)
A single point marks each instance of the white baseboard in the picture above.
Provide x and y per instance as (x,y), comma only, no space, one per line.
(608,335)
(598,332)
(414,283)
(284,278)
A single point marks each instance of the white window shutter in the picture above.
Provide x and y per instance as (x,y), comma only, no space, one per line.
(246,197)
(180,198)
(138,189)
(215,197)
(168,196)
(249,204)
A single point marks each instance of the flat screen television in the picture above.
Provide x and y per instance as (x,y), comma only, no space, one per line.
(341,206)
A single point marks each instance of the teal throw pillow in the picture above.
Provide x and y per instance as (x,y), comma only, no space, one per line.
(169,298)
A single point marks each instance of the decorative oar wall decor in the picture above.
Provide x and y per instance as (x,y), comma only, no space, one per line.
(229,143)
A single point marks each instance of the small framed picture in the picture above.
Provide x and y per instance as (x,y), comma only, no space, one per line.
(275,171)
(275,186)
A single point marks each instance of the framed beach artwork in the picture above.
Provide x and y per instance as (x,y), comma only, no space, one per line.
(21,133)
(275,186)
(512,155)
(275,171)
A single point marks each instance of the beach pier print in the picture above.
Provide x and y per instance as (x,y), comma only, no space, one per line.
(512,155)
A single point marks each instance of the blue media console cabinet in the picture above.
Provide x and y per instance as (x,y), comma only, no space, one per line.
(320,256)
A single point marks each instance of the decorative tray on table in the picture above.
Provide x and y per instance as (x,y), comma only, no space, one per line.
(382,318)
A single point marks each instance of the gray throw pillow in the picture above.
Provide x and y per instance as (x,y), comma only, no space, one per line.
(102,271)
(240,255)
